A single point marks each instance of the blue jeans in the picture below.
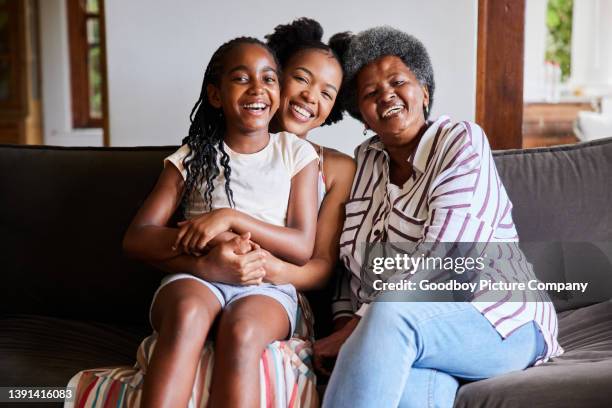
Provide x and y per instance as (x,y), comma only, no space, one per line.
(410,354)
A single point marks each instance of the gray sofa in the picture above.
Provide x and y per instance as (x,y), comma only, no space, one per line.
(562,200)
(69,299)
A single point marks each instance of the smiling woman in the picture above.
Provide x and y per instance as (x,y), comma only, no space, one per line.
(310,97)
(422,181)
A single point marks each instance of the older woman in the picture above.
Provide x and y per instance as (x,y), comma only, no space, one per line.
(423,181)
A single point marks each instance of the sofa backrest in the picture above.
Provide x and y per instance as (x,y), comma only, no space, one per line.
(562,199)
(63,214)
(64,211)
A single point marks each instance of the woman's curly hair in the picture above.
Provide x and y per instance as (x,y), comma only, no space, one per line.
(305,33)
(371,44)
(207,132)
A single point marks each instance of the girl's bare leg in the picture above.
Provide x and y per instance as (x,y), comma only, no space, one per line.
(182,314)
(246,328)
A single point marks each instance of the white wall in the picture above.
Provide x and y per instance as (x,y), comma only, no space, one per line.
(157,51)
(55,67)
(591,44)
(535,49)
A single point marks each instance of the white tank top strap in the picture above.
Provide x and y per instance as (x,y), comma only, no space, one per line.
(321,190)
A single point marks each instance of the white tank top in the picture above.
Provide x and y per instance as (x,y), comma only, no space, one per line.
(261,181)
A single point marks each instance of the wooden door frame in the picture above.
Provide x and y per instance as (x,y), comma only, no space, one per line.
(106,138)
(499,81)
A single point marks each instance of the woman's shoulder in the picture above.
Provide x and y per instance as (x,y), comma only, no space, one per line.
(338,166)
(464,132)
(453,144)
(337,160)
(449,141)
(363,147)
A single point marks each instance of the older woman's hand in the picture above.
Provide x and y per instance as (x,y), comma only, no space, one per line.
(326,349)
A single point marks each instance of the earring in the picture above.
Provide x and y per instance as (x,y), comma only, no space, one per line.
(426,109)
(365,131)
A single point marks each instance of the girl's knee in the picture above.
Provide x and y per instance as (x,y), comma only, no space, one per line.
(242,336)
(187,316)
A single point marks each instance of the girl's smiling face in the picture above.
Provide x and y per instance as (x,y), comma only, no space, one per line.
(248,92)
(310,85)
(391,100)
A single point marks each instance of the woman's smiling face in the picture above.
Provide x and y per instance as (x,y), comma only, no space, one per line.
(391,100)
(310,84)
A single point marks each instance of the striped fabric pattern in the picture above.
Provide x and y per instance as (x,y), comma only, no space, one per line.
(287,379)
(454,195)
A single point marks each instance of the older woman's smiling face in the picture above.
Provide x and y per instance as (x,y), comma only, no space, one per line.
(391,100)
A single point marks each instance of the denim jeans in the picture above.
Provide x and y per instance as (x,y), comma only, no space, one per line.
(410,354)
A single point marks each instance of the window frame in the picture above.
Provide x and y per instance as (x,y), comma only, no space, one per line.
(79,69)
(15,105)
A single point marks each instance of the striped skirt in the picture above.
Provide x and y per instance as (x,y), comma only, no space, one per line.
(286,375)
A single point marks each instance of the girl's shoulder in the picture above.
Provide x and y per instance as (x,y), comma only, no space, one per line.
(289,142)
(177,159)
(288,139)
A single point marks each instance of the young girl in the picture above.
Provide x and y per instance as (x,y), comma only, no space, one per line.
(264,190)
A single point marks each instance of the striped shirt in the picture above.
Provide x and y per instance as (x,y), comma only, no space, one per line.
(453,195)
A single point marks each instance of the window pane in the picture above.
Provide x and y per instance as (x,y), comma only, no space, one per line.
(92,6)
(93,31)
(559,16)
(95,83)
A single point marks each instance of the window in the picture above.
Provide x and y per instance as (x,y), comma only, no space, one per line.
(559,39)
(87,61)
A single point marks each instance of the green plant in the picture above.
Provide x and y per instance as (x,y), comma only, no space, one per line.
(559,39)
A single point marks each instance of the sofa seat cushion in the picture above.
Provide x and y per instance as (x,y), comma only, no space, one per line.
(581,377)
(46,351)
